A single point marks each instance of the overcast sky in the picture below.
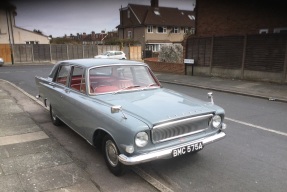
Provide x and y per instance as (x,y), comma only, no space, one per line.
(60,17)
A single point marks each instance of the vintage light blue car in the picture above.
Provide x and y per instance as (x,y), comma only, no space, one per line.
(121,106)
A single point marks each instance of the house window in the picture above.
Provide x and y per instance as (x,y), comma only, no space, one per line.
(263,31)
(153,47)
(150,29)
(189,30)
(129,13)
(130,34)
(192,30)
(175,30)
(280,30)
(161,29)
(32,42)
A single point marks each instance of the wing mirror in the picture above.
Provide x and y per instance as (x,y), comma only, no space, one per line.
(117,109)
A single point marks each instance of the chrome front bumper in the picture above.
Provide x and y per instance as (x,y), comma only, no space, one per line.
(165,153)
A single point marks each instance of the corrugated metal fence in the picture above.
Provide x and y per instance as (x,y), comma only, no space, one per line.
(261,53)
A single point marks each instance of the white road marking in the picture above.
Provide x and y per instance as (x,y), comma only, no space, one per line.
(257,127)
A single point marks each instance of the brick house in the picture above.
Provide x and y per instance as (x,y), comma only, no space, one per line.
(240,17)
(95,38)
(153,25)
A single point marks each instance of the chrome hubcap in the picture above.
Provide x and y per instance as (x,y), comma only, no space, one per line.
(112,153)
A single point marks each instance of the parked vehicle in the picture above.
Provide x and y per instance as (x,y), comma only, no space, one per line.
(112,55)
(1,61)
(122,107)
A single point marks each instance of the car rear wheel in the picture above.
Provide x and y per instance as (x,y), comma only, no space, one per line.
(55,120)
(111,153)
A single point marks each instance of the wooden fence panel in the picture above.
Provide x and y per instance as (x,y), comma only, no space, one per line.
(41,52)
(59,52)
(135,53)
(5,52)
(266,52)
(199,49)
(228,52)
(23,53)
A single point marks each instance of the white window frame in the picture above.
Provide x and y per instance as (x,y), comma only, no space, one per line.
(130,34)
(175,30)
(278,30)
(164,30)
(263,31)
(150,29)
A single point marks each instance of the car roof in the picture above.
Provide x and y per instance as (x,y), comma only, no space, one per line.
(93,62)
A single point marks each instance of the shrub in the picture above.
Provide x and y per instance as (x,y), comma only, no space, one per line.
(171,53)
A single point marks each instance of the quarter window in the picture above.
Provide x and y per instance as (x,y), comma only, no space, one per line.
(63,74)
(78,79)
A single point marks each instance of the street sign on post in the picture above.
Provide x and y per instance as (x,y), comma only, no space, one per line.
(189,62)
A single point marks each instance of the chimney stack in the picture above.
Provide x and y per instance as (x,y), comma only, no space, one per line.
(154,3)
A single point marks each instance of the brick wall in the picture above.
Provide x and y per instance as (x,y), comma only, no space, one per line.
(156,66)
(239,17)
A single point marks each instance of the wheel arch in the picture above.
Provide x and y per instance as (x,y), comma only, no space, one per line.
(98,137)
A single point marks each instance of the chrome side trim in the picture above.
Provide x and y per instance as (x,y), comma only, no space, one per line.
(166,153)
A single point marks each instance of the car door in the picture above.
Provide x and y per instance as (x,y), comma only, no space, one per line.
(76,101)
(58,90)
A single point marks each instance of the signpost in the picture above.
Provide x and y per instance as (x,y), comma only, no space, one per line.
(189,62)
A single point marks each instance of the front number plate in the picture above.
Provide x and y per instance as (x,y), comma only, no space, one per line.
(187,149)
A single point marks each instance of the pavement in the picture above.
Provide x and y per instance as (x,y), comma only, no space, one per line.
(33,160)
(264,90)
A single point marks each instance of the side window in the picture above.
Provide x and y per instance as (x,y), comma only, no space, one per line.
(63,74)
(78,79)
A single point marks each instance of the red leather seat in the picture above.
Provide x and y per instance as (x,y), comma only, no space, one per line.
(105,89)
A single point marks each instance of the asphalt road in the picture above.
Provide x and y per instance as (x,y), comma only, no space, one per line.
(253,156)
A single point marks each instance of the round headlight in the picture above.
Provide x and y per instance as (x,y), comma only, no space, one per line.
(141,139)
(216,121)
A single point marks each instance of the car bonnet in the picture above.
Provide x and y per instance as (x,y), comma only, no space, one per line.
(158,105)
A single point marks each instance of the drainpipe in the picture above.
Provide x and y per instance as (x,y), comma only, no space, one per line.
(8,25)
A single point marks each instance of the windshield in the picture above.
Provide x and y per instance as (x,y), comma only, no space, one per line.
(118,78)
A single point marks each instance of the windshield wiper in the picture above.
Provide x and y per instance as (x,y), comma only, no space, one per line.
(152,84)
(125,88)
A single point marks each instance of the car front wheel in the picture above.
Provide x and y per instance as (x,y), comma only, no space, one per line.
(55,120)
(111,153)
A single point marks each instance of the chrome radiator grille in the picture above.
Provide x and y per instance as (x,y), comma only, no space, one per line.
(180,128)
